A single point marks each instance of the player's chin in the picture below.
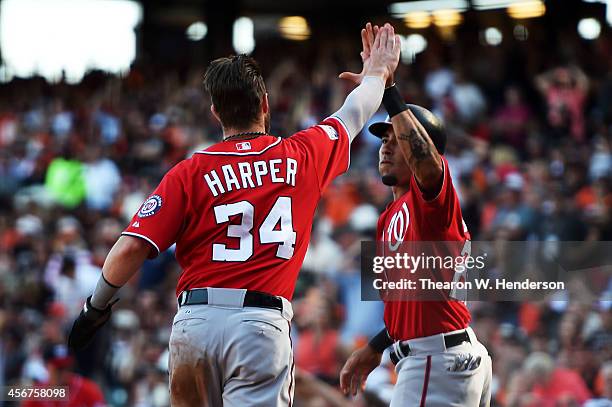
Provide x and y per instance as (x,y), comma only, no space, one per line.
(388,178)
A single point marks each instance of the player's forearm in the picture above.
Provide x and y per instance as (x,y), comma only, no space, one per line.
(123,261)
(418,149)
(361,104)
(415,144)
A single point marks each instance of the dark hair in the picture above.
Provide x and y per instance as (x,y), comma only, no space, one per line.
(236,88)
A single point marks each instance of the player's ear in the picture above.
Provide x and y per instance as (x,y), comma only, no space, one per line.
(265,106)
(214,112)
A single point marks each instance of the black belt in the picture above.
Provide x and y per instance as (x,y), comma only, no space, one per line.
(199,296)
(449,341)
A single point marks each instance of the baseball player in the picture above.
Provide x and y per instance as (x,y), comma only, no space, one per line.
(438,359)
(240,213)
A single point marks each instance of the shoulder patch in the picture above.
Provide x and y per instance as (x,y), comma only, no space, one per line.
(150,207)
(330,131)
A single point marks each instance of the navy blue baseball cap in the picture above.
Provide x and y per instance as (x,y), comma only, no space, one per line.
(432,125)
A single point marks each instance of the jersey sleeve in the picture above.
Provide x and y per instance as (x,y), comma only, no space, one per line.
(440,208)
(160,218)
(328,145)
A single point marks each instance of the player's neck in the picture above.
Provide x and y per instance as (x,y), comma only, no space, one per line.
(398,191)
(232,131)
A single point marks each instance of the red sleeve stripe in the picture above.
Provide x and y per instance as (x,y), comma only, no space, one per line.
(291,371)
(426,381)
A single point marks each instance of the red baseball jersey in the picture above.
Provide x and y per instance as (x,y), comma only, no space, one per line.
(412,218)
(241,211)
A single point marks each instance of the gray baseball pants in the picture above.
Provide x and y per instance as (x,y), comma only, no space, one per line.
(224,354)
(426,378)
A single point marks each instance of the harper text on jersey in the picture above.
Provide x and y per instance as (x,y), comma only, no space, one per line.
(232,177)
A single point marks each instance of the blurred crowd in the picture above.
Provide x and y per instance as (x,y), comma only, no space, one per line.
(530,141)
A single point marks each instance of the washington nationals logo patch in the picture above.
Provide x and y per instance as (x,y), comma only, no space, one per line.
(396,231)
(150,207)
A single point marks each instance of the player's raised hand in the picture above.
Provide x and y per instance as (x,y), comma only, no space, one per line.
(368,34)
(357,368)
(384,54)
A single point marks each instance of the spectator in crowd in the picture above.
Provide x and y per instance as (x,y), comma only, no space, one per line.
(467,98)
(319,349)
(80,392)
(511,120)
(514,218)
(102,179)
(542,384)
(565,90)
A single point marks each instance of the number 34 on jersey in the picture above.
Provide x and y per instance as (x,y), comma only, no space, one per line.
(277,228)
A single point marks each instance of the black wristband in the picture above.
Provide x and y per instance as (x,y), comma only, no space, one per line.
(381,341)
(393,102)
